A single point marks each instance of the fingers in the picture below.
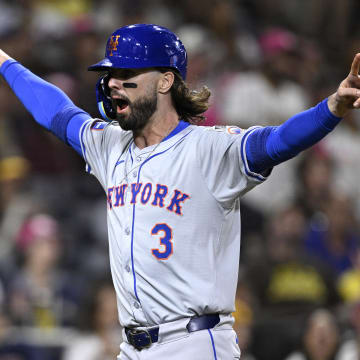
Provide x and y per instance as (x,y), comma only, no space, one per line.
(356,104)
(355,66)
(349,92)
(351,96)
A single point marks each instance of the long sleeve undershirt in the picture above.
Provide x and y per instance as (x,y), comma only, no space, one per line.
(49,106)
(272,145)
(265,147)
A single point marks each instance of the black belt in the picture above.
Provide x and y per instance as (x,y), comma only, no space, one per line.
(141,339)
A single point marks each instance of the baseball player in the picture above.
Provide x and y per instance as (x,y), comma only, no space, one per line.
(173,188)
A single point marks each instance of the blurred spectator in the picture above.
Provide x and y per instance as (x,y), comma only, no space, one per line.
(42,295)
(269,96)
(53,19)
(13,166)
(334,239)
(349,281)
(350,348)
(101,333)
(252,233)
(244,319)
(205,54)
(325,19)
(314,182)
(15,35)
(288,285)
(83,44)
(321,338)
(162,12)
(14,169)
(11,346)
(343,145)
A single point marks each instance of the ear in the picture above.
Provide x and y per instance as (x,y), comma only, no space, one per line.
(165,82)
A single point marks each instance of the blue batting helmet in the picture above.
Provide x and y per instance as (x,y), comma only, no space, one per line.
(143,46)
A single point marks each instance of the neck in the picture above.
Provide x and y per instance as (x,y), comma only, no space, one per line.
(158,127)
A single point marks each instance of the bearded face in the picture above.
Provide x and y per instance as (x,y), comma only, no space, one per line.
(135,115)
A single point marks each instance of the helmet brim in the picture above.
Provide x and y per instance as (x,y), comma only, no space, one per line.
(102,65)
(106,64)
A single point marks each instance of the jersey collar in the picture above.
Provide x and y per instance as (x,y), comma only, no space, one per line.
(181,126)
(173,137)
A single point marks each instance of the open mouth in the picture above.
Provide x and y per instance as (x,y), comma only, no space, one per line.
(121,105)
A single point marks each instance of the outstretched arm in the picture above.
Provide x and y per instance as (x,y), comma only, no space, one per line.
(270,146)
(49,106)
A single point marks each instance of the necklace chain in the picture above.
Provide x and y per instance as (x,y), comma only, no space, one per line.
(137,166)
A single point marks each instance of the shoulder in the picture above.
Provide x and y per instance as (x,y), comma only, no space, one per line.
(222,134)
(218,131)
(103,138)
(101,128)
(222,129)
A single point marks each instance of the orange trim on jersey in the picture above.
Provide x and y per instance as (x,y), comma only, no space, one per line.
(120,195)
(149,193)
(161,238)
(175,203)
(109,197)
(160,196)
(133,198)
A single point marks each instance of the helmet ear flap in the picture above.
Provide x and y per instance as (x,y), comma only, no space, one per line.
(103,99)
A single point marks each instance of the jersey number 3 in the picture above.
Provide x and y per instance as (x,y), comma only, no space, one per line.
(165,233)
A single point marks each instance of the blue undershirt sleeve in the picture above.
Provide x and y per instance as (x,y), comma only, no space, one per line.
(272,145)
(49,106)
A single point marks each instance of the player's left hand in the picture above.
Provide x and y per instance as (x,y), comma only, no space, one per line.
(3,57)
(347,96)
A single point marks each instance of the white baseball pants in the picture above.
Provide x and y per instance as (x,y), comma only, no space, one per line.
(176,343)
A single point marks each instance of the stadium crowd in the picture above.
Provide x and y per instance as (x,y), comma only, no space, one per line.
(299,284)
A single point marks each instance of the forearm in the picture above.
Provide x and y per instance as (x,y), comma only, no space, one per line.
(40,98)
(269,146)
(49,106)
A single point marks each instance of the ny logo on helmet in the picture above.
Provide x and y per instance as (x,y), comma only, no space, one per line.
(113,44)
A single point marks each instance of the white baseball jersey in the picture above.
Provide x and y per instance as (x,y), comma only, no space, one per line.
(173,216)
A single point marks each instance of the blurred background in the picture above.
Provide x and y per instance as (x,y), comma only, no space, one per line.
(299,286)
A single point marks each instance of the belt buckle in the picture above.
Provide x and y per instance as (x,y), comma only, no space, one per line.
(131,337)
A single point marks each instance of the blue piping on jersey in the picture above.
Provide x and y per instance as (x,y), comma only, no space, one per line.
(132,161)
(88,167)
(212,343)
(133,219)
(119,162)
(243,157)
(180,127)
(132,250)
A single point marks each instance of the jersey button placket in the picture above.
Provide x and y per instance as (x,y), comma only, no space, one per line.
(136,305)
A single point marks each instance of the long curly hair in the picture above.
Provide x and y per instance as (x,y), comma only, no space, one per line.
(189,104)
